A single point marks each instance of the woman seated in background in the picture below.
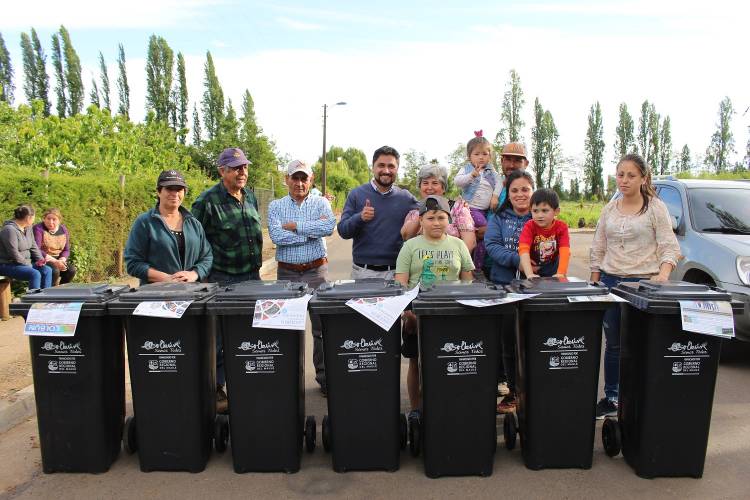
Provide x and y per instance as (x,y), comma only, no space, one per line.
(53,240)
(167,243)
(20,258)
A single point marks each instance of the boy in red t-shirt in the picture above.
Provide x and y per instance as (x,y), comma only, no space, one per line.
(544,240)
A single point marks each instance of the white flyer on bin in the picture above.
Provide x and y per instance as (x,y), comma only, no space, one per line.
(52,319)
(707,317)
(511,297)
(610,297)
(169,309)
(281,314)
(383,311)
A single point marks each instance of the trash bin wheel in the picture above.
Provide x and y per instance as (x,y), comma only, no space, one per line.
(611,437)
(510,431)
(221,433)
(415,436)
(402,430)
(325,433)
(129,441)
(311,430)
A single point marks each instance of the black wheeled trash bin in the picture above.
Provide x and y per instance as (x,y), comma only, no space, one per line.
(458,354)
(364,429)
(558,346)
(265,379)
(667,380)
(173,379)
(79,381)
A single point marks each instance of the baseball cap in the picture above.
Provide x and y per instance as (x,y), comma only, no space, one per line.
(171,178)
(295,166)
(514,149)
(433,202)
(232,157)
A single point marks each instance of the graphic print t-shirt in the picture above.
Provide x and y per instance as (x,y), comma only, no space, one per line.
(546,245)
(431,262)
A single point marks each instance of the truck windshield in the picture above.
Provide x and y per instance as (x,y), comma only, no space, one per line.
(721,210)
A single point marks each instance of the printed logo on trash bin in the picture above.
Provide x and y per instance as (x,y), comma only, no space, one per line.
(363,345)
(565,343)
(463,347)
(689,348)
(162,347)
(260,347)
(62,347)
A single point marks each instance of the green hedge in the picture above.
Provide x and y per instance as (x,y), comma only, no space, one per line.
(96,210)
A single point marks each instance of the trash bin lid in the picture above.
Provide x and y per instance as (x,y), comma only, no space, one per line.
(672,290)
(168,291)
(76,292)
(355,289)
(558,287)
(256,289)
(461,291)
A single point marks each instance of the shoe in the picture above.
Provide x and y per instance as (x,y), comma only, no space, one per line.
(606,408)
(415,414)
(222,403)
(503,389)
(507,405)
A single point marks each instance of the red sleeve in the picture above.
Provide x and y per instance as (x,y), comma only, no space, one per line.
(562,237)
(526,238)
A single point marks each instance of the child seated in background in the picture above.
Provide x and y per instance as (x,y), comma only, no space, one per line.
(480,187)
(544,242)
(433,256)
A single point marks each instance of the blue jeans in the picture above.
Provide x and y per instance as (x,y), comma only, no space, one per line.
(38,277)
(226,279)
(611,326)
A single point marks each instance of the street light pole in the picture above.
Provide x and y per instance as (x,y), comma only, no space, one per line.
(323,163)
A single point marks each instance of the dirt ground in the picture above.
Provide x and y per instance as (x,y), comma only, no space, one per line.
(15,364)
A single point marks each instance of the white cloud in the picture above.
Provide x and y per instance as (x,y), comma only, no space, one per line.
(78,14)
(298,25)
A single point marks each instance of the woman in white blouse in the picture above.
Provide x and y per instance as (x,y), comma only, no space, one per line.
(633,241)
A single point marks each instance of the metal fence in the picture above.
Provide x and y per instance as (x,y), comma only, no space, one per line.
(264,197)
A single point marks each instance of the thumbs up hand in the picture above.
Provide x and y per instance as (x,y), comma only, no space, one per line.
(368,212)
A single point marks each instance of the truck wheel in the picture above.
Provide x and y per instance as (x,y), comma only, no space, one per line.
(611,437)
(510,431)
(311,430)
(325,433)
(129,439)
(221,433)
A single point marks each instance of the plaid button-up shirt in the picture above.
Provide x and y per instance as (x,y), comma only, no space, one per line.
(314,220)
(233,229)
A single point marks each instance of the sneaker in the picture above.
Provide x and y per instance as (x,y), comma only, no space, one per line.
(503,389)
(222,403)
(507,405)
(606,408)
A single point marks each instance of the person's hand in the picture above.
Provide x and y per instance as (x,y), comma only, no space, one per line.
(329,197)
(289,226)
(368,212)
(532,275)
(185,276)
(40,263)
(558,275)
(661,277)
(61,265)
(535,267)
(493,202)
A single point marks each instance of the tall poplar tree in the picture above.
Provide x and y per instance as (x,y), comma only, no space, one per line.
(722,140)
(551,151)
(73,78)
(6,74)
(624,134)
(654,145)
(537,143)
(61,84)
(94,93)
(213,99)
(665,139)
(182,98)
(510,116)
(123,89)
(29,68)
(594,148)
(159,66)
(644,137)
(104,78)
(685,159)
(258,147)
(197,132)
(42,78)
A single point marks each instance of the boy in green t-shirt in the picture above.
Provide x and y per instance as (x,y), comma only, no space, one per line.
(431,257)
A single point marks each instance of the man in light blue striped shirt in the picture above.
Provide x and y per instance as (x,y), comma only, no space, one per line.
(297,225)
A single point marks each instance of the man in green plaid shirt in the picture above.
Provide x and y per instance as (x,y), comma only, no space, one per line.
(229,214)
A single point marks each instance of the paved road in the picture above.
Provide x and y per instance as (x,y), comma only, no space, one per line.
(727,463)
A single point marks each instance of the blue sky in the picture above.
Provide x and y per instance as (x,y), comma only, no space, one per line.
(424,75)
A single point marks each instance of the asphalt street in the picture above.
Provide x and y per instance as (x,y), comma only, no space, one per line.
(726,470)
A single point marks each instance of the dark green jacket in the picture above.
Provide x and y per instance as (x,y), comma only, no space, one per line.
(152,244)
